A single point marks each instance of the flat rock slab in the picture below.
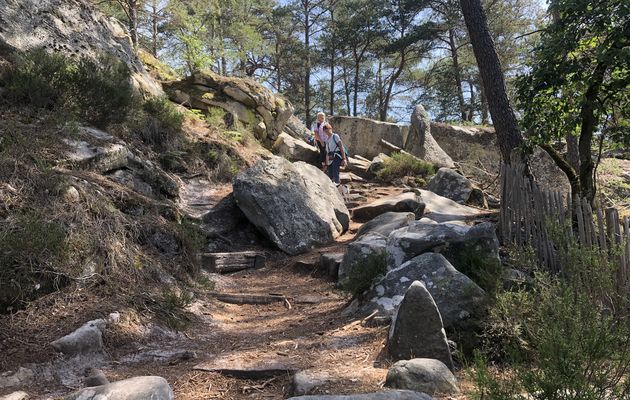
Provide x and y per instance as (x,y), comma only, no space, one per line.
(249,365)
(137,388)
(404,202)
(441,209)
(385,395)
(311,380)
(15,396)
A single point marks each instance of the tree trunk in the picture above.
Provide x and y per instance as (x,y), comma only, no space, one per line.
(573,152)
(133,22)
(355,94)
(471,109)
(457,73)
(589,124)
(390,86)
(331,110)
(508,135)
(307,67)
(484,105)
(154,28)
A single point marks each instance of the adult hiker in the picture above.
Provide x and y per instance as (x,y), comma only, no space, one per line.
(335,153)
(320,138)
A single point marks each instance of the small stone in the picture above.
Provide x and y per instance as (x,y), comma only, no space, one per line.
(86,339)
(95,377)
(20,377)
(71,195)
(15,396)
(422,375)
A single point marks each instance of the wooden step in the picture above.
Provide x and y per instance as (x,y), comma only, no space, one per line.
(231,262)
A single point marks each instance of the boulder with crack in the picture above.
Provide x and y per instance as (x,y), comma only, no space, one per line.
(294,204)
(356,255)
(385,223)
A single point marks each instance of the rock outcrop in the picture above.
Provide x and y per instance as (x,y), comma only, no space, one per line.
(363,136)
(294,204)
(385,395)
(416,330)
(385,224)
(71,27)
(421,143)
(246,100)
(295,149)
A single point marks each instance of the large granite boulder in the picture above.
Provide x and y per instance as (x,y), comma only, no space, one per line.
(460,244)
(385,224)
(462,141)
(442,209)
(295,149)
(247,100)
(363,136)
(294,204)
(458,298)
(404,202)
(296,128)
(87,339)
(420,143)
(416,330)
(452,185)
(137,388)
(422,375)
(71,27)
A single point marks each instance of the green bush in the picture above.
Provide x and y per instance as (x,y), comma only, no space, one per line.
(30,248)
(363,272)
(566,338)
(402,164)
(163,124)
(96,92)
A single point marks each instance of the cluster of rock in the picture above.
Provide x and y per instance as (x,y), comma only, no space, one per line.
(244,100)
(83,350)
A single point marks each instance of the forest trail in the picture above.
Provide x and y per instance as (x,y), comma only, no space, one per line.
(306,331)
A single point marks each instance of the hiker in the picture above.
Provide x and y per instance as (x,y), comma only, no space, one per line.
(320,138)
(335,153)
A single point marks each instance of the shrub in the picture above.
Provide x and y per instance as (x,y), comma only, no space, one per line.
(163,124)
(567,338)
(97,92)
(403,164)
(364,271)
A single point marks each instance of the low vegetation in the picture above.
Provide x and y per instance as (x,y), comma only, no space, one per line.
(98,93)
(400,165)
(564,337)
(365,271)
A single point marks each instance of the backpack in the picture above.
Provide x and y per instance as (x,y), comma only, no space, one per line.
(345,148)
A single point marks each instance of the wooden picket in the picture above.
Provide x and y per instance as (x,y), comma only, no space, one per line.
(528,213)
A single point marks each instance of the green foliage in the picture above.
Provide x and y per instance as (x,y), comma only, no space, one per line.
(30,246)
(216,117)
(163,123)
(486,271)
(172,308)
(364,271)
(403,164)
(190,236)
(566,338)
(96,92)
(224,166)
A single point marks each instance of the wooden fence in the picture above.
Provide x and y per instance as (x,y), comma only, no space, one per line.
(529,215)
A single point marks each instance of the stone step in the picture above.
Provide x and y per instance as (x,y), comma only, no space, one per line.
(231,262)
